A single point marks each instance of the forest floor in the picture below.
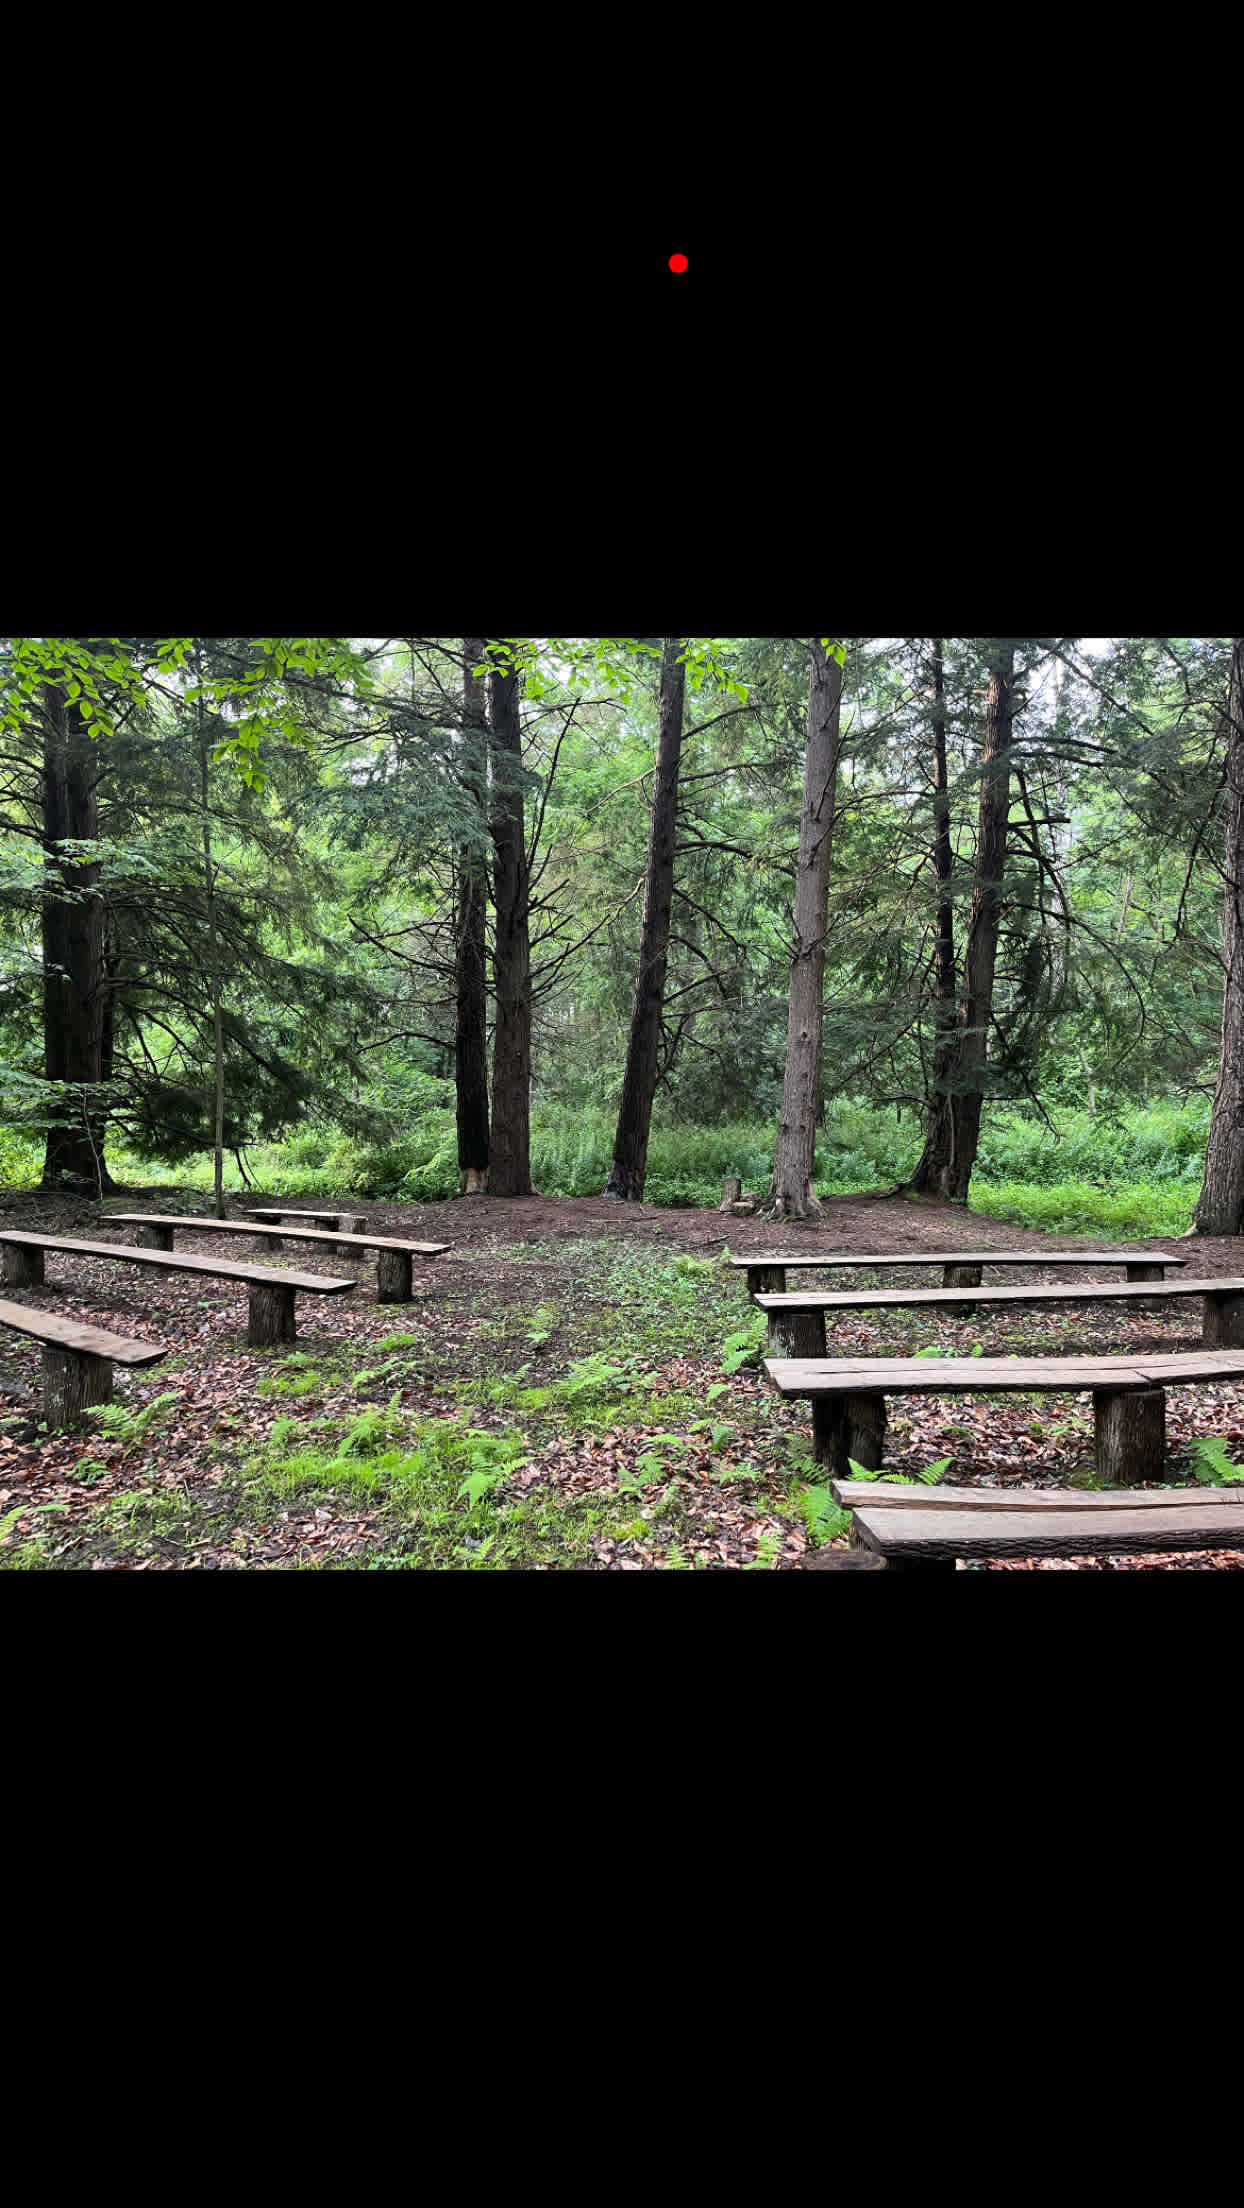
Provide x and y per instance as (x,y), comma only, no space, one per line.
(575,1386)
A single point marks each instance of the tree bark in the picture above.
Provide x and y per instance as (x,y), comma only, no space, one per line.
(509,1172)
(791,1194)
(23,1266)
(470,943)
(1220,1207)
(933,1173)
(393,1276)
(639,1085)
(982,947)
(73,1381)
(209,884)
(270,1316)
(73,950)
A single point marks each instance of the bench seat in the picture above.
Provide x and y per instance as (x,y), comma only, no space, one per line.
(395,1254)
(848,1397)
(960,1268)
(271,1312)
(77,1360)
(932,1527)
(797,1320)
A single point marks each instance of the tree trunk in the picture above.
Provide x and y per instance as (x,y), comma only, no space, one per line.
(1220,1208)
(470,943)
(982,947)
(791,1195)
(73,951)
(510,1164)
(639,1086)
(209,884)
(933,1173)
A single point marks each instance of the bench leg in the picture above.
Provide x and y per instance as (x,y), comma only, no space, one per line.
(73,1380)
(271,1316)
(796,1334)
(766,1280)
(23,1267)
(861,1550)
(1145,1272)
(1222,1326)
(267,1241)
(846,1427)
(960,1276)
(1130,1435)
(154,1238)
(393,1277)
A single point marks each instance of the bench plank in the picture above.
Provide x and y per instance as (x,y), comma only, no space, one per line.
(963,1257)
(1081,1291)
(180,1261)
(86,1341)
(873,1495)
(292,1234)
(816,1376)
(923,1533)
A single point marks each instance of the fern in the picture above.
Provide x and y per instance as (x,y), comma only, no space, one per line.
(130,1427)
(932,1473)
(1212,1465)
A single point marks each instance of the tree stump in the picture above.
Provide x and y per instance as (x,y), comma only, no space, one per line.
(846,1427)
(154,1238)
(1222,1325)
(1145,1272)
(1130,1436)
(766,1280)
(393,1276)
(73,1381)
(731,1191)
(23,1267)
(270,1317)
(796,1334)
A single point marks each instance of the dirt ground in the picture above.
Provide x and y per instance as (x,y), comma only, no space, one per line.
(604,1273)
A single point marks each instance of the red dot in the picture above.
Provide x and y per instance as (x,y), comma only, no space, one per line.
(678,262)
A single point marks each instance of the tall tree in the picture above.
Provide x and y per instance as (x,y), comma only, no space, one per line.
(791,1196)
(1220,1207)
(932,1174)
(981,956)
(470,936)
(639,1084)
(73,945)
(510,1165)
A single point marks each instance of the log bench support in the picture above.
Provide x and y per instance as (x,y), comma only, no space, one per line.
(1129,1433)
(267,1241)
(393,1276)
(73,1381)
(271,1316)
(766,1280)
(154,1238)
(1222,1326)
(23,1266)
(846,1427)
(1145,1272)
(796,1333)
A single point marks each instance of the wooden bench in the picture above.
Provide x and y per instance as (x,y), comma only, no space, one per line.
(848,1397)
(797,1321)
(395,1258)
(960,1268)
(77,1360)
(271,1314)
(929,1528)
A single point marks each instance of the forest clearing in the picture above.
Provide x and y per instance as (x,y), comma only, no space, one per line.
(594,1104)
